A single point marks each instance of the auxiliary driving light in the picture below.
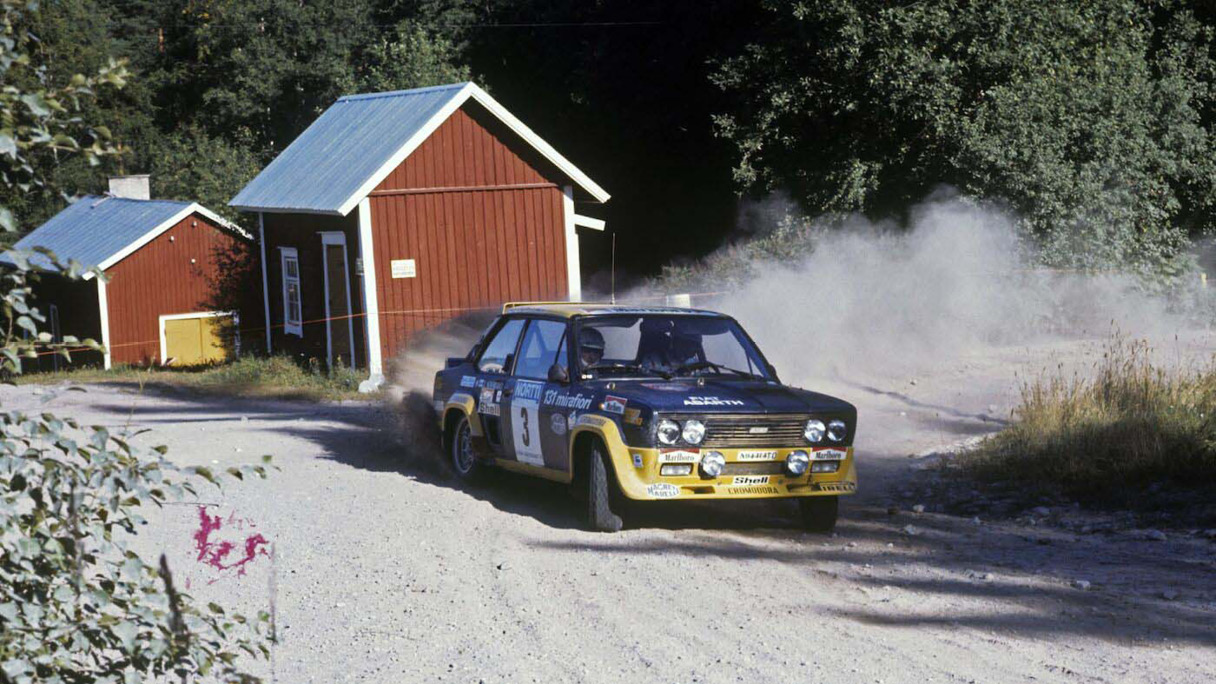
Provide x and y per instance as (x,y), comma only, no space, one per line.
(676,469)
(825,466)
(814,431)
(669,431)
(837,431)
(712,464)
(796,463)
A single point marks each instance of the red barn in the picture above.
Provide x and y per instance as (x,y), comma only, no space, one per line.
(169,293)
(395,211)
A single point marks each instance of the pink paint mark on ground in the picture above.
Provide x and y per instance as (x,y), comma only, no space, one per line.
(218,553)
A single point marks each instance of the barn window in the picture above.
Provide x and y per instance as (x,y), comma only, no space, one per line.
(292,320)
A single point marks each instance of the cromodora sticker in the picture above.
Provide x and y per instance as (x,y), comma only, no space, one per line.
(613,404)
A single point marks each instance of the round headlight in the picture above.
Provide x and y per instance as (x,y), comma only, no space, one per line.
(814,431)
(797,462)
(712,464)
(694,431)
(837,431)
(669,431)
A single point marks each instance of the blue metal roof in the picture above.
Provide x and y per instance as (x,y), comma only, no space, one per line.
(92,229)
(344,148)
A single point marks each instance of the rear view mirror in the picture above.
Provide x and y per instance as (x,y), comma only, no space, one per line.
(772,370)
(557,373)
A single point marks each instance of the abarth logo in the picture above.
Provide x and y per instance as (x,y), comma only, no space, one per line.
(712,401)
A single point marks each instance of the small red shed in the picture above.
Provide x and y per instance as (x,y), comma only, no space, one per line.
(169,294)
(395,211)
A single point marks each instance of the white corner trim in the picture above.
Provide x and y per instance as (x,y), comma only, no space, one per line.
(336,238)
(162,227)
(103,309)
(470,90)
(588,222)
(574,269)
(265,278)
(164,353)
(371,308)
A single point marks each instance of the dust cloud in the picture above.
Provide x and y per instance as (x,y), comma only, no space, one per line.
(877,300)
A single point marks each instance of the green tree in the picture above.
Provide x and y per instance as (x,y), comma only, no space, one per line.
(411,56)
(1093,120)
(76,604)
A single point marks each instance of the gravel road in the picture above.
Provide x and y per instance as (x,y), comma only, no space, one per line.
(384,569)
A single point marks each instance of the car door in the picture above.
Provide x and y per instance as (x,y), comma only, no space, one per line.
(494,365)
(535,436)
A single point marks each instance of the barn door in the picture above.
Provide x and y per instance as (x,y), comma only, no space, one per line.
(339,328)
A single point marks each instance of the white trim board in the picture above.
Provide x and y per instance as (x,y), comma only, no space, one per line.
(371,307)
(336,238)
(574,269)
(265,278)
(588,222)
(164,353)
(151,235)
(103,308)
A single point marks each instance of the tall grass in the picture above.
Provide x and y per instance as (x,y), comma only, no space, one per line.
(275,377)
(1108,436)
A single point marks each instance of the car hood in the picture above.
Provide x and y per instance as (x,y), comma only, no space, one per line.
(719,396)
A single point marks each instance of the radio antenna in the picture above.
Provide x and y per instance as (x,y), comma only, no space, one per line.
(614,267)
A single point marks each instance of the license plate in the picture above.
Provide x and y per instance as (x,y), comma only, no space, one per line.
(748,480)
(757,455)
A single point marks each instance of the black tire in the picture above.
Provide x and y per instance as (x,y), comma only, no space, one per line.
(461,454)
(600,485)
(819,513)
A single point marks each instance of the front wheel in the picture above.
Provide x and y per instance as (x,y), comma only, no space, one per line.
(819,513)
(463,455)
(600,517)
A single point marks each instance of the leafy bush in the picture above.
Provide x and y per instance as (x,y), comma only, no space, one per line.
(1131,425)
(77,604)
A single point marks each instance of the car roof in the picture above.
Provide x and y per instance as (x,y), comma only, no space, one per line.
(572,309)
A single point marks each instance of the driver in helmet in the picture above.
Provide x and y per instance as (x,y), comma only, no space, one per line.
(590,347)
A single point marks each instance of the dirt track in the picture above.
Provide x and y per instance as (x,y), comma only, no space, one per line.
(387,570)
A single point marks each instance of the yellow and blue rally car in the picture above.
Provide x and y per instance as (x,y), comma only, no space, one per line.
(642,403)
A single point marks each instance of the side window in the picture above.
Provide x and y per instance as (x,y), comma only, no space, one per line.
(539,350)
(292,320)
(498,352)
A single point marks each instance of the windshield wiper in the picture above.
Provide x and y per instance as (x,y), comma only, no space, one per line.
(628,367)
(700,365)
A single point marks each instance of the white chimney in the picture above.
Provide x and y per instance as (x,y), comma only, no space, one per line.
(131,187)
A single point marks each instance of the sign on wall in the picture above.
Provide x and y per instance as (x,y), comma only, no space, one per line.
(403,268)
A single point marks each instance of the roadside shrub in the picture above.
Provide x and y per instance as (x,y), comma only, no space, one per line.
(1108,437)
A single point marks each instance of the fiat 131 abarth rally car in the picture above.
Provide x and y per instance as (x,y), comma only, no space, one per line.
(642,404)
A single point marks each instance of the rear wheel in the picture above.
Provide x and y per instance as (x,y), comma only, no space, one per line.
(463,456)
(819,513)
(600,516)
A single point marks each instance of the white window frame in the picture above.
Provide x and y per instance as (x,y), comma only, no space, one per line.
(289,327)
(236,324)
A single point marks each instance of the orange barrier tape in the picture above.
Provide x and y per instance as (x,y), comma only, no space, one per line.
(400,312)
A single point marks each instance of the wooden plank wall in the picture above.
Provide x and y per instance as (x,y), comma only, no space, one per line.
(481,221)
(183,270)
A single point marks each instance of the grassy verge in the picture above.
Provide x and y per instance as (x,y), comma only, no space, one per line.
(1111,437)
(276,377)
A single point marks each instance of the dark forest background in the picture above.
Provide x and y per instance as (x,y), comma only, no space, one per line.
(1092,121)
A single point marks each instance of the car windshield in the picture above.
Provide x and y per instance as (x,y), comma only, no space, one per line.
(667,345)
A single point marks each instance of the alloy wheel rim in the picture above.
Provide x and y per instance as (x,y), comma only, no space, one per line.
(464,450)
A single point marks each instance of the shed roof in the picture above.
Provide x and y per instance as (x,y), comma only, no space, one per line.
(99,231)
(360,139)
